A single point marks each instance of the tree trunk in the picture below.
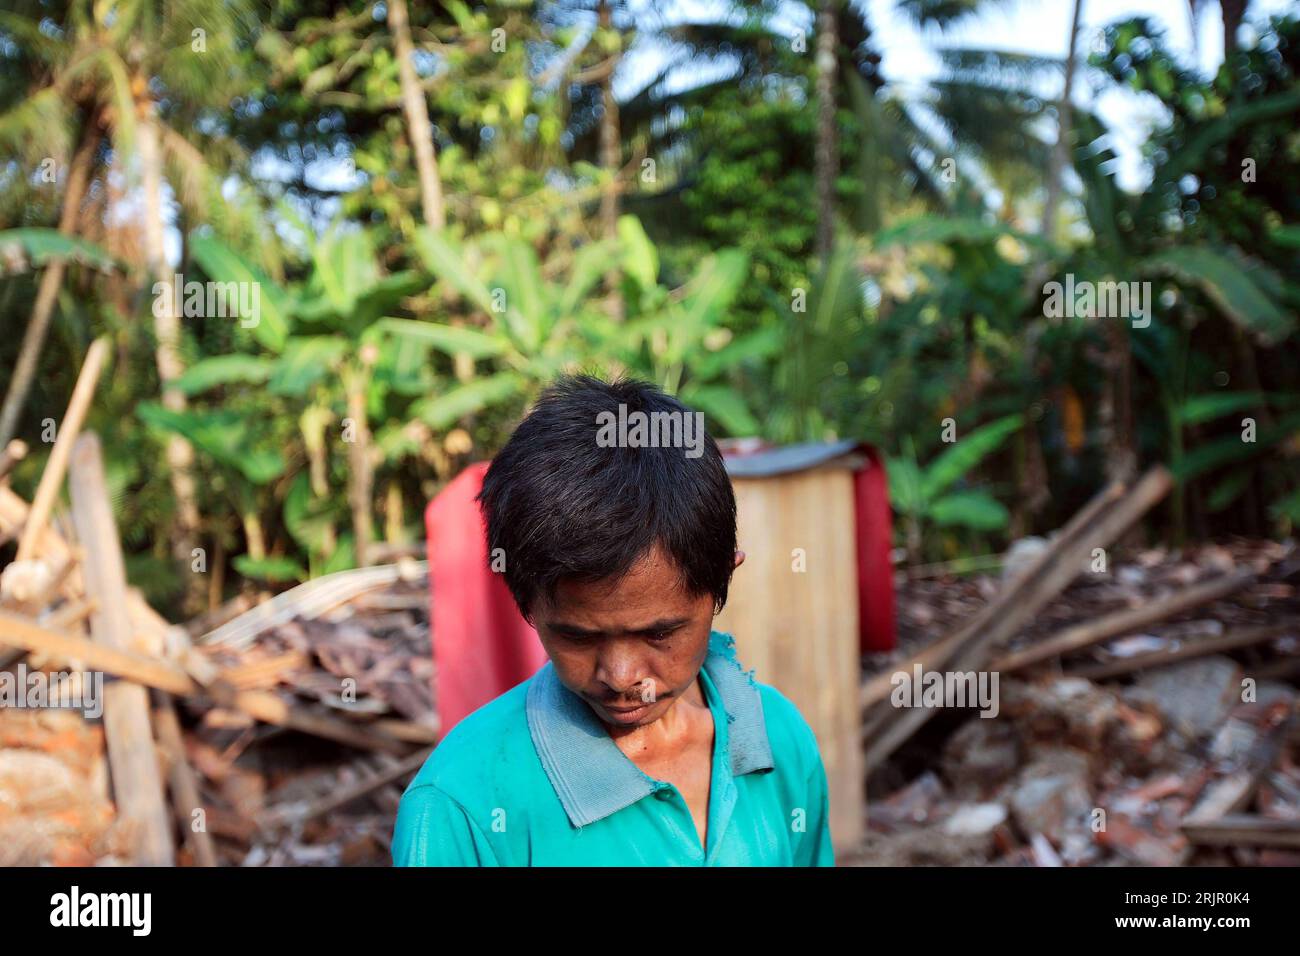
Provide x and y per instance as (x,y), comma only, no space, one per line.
(416,109)
(48,291)
(167,332)
(1121,449)
(1234,11)
(611,153)
(826,153)
(1065,117)
(611,158)
(360,468)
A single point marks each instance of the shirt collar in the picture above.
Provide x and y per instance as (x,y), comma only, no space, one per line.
(593,778)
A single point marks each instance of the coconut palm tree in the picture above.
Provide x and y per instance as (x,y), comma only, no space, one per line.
(139,69)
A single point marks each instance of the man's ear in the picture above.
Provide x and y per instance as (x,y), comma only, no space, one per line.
(739,559)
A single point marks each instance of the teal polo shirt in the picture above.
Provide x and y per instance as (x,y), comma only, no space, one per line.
(534,779)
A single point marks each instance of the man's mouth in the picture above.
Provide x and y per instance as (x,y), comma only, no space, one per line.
(622,714)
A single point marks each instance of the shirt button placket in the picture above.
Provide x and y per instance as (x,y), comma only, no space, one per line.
(669,794)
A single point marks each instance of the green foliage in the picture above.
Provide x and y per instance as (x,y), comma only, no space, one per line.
(226,435)
(965,454)
(925,495)
(1235,286)
(24,249)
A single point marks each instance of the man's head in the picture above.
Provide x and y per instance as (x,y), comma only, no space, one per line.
(618,551)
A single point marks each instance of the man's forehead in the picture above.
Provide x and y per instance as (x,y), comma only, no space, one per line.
(633,604)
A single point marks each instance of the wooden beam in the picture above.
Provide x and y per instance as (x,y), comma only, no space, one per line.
(164,675)
(1244,829)
(184,785)
(22,632)
(1121,622)
(296,813)
(57,466)
(877,688)
(133,760)
(1198,648)
(1100,523)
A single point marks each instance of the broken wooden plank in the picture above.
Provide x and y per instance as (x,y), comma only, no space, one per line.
(55,469)
(184,785)
(297,813)
(1244,829)
(1103,628)
(270,709)
(1109,516)
(164,675)
(1198,648)
(877,688)
(133,761)
(138,668)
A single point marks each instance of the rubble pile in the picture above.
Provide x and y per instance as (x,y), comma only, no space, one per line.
(277,798)
(1164,756)
(271,731)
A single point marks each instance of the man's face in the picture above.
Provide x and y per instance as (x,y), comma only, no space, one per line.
(630,647)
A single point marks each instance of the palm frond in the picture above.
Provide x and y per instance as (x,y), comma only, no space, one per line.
(1007,67)
(943,13)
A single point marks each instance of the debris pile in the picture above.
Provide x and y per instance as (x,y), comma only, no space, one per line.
(279,802)
(281,736)
(1147,716)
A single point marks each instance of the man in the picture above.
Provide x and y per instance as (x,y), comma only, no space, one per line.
(642,742)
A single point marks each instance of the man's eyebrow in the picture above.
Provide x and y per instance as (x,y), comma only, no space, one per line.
(664,624)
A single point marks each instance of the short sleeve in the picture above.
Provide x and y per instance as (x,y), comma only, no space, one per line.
(814,847)
(434,830)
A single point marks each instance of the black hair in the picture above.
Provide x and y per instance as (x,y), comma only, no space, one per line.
(560,506)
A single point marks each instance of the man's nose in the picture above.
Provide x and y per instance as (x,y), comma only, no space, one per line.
(619,668)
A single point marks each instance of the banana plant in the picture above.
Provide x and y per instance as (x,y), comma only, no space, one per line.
(925,495)
(529,327)
(22,250)
(316,355)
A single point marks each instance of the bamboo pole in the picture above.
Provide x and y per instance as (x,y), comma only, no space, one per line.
(877,689)
(133,759)
(184,785)
(1201,648)
(1030,593)
(57,466)
(1121,622)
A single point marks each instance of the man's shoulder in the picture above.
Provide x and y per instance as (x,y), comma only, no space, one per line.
(788,733)
(479,745)
(791,739)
